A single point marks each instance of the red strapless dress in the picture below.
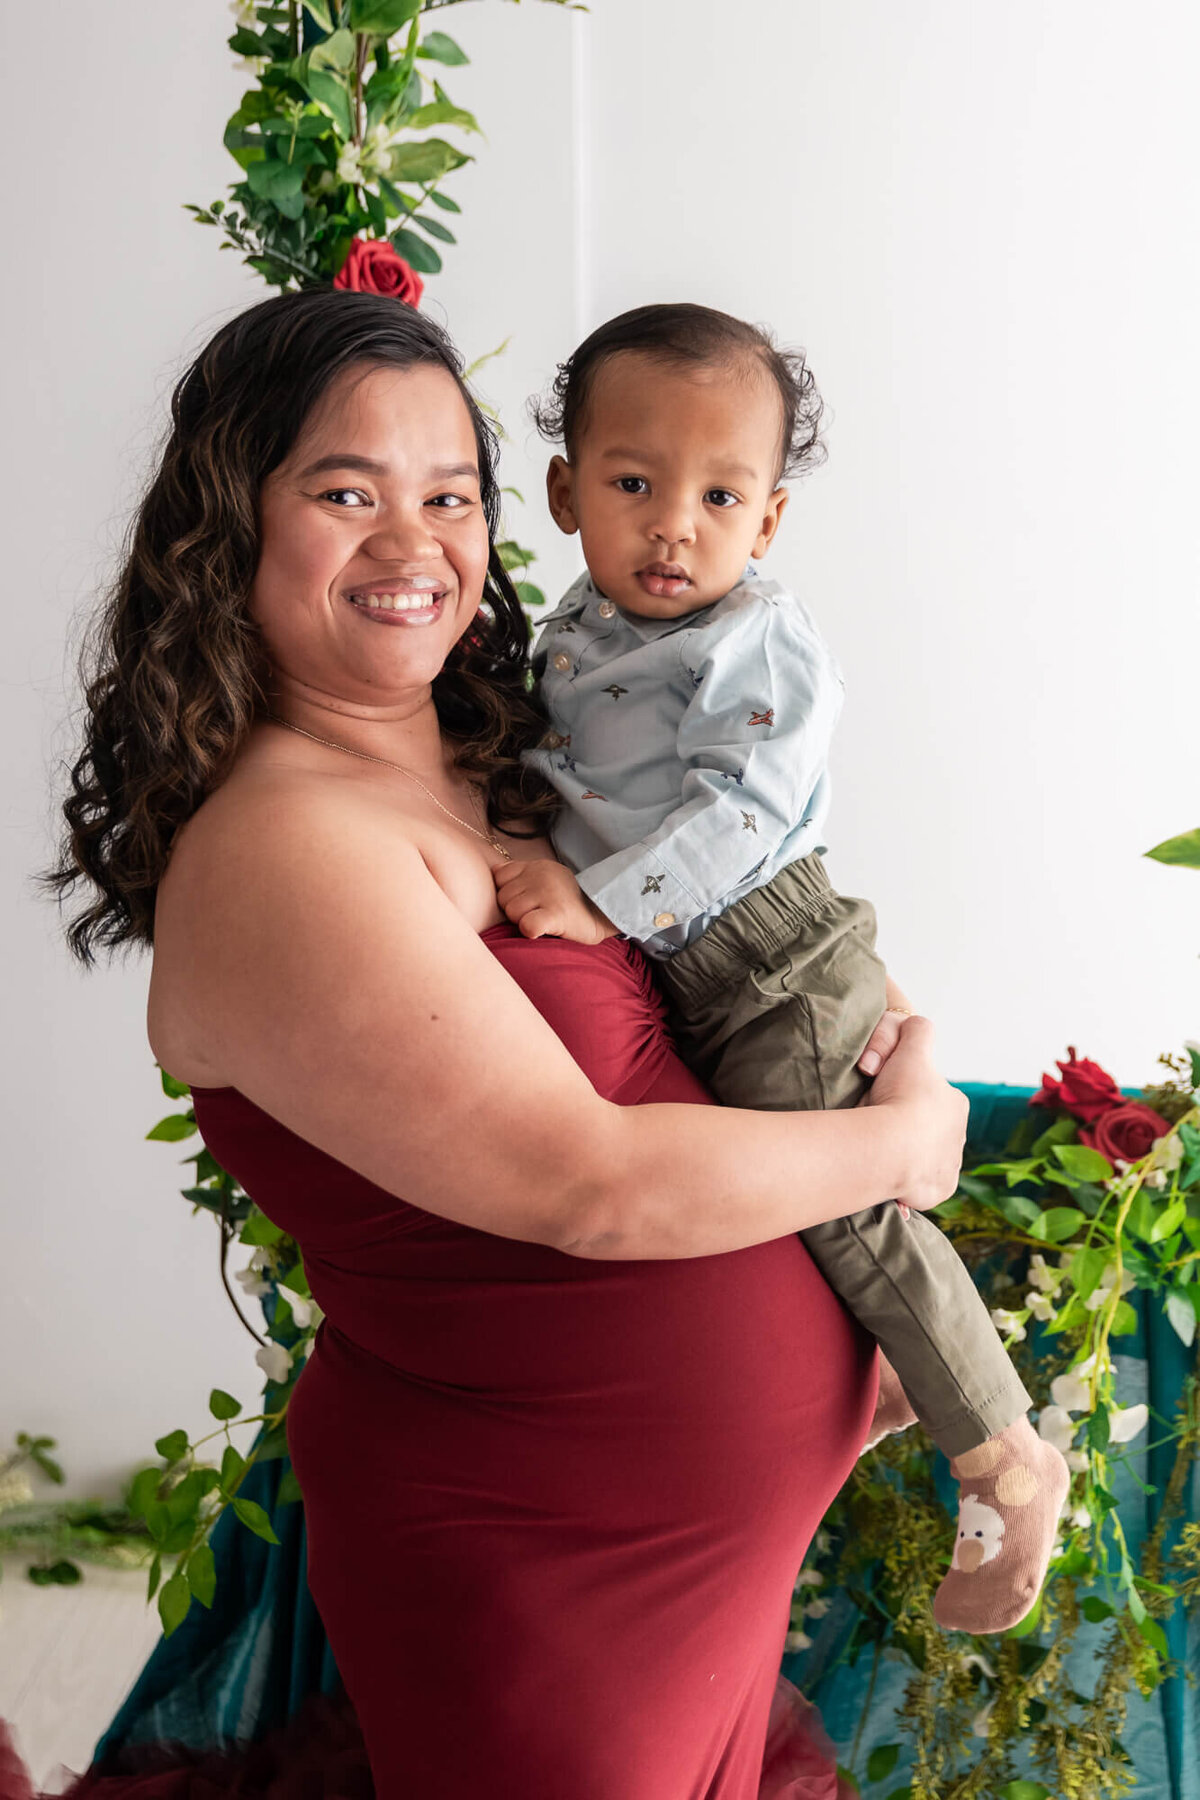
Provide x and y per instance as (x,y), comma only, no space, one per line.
(555,1507)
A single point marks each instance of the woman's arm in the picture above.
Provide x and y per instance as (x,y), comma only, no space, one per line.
(341,991)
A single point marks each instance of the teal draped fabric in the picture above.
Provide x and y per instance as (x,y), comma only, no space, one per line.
(228,1675)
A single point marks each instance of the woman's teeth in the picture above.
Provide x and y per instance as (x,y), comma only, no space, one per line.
(420,602)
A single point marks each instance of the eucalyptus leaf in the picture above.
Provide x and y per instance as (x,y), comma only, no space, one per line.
(173,1445)
(440,48)
(154,1577)
(222,1405)
(1057,1224)
(380,18)
(259,1230)
(1087,1271)
(331,95)
(202,1574)
(442,112)
(174,1602)
(1183,851)
(1083,1162)
(427,161)
(255,1519)
(1125,1320)
(1168,1220)
(449,205)
(882,1761)
(1154,1635)
(416,251)
(435,228)
(1095,1610)
(173,1129)
(334,52)
(232,1466)
(1181,1312)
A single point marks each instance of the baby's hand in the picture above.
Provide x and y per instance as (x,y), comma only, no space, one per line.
(545,900)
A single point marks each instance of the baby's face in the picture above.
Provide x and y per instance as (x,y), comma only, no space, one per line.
(672,485)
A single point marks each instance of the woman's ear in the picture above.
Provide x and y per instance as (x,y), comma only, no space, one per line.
(770,522)
(560,492)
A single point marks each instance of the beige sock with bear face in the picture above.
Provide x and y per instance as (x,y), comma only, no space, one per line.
(1013,1487)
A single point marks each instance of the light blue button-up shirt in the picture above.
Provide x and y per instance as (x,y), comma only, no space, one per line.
(690,753)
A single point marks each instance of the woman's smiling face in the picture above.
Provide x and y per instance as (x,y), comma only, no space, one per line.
(373,542)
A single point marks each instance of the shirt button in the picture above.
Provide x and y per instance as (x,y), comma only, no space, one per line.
(562,662)
(606,609)
(662,920)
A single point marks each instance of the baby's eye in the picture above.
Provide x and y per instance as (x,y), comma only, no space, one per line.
(633,484)
(332,493)
(721,497)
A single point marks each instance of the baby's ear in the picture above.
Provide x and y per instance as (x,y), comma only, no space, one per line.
(560,493)
(772,514)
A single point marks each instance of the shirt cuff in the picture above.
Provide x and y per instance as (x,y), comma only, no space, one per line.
(641,898)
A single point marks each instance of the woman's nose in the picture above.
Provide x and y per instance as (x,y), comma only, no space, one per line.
(403,538)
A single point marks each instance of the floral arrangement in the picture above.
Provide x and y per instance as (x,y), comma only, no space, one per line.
(342,158)
(1095,1202)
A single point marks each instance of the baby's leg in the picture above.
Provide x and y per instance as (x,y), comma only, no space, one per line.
(903,1280)
(772,1007)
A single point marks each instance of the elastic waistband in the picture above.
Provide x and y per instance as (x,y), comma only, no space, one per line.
(752,931)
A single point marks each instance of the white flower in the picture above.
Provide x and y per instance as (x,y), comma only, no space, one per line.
(1047,1279)
(261,1258)
(1057,1548)
(808,1578)
(349,165)
(14,1490)
(274,1361)
(982,1720)
(1101,1295)
(1071,1392)
(816,1609)
(1124,1422)
(1057,1427)
(797,1640)
(1076,1460)
(1040,1305)
(1166,1152)
(251,65)
(243,12)
(1081,1517)
(1156,1178)
(304,1310)
(1008,1324)
(821,1542)
(252,1282)
(973,1660)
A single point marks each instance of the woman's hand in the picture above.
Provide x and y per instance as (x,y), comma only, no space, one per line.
(544,899)
(936,1115)
(886,1035)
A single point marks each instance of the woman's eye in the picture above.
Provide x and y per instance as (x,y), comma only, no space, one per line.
(721,497)
(333,493)
(450,502)
(632,484)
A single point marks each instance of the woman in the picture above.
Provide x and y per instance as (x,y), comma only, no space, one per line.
(580,1398)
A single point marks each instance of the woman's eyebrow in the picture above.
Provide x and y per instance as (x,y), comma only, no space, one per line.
(366,465)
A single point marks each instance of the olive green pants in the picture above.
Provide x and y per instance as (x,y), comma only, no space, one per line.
(772,1008)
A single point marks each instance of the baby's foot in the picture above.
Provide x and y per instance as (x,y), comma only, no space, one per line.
(893,1411)
(1014,1487)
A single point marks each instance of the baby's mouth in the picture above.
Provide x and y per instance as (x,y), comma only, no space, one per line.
(664,579)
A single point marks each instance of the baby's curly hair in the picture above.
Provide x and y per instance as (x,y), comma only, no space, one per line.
(686,335)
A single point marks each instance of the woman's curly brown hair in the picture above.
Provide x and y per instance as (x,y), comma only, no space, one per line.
(174,670)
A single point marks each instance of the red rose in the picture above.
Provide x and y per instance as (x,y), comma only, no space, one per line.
(373,267)
(1125,1131)
(1086,1090)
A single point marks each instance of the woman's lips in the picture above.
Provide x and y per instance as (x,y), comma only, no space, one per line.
(427,613)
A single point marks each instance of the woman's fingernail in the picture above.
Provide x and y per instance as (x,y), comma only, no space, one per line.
(869,1064)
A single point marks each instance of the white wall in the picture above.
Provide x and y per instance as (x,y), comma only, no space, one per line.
(979,222)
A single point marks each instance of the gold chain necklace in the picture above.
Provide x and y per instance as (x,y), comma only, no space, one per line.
(486,837)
